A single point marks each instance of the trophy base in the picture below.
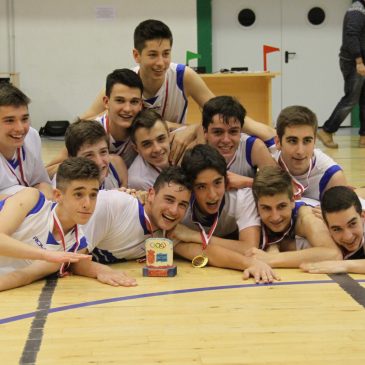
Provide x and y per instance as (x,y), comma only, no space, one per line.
(161,272)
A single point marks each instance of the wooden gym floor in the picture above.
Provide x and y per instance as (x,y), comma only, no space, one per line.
(202,316)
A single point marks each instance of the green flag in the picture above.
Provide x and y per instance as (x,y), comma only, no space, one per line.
(191,56)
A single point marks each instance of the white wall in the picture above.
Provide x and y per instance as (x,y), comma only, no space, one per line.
(63,53)
(3,38)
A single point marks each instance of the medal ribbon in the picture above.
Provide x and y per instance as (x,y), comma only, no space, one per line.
(300,188)
(230,163)
(149,225)
(57,224)
(22,180)
(204,236)
(119,151)
(265,236)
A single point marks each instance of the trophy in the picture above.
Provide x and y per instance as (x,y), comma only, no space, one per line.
(159,258)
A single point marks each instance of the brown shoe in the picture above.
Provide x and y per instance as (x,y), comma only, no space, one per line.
(327,140)
(362,142)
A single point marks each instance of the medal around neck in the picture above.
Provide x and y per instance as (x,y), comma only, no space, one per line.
(200,261)
(159,258)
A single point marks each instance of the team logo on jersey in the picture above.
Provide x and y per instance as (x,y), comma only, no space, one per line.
(37,241)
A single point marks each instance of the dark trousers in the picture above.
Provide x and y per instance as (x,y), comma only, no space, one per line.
(354,93)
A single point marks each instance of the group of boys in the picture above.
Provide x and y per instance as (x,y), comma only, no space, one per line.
(239,200)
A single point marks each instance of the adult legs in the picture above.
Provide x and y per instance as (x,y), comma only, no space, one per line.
(353,88)
(362,112)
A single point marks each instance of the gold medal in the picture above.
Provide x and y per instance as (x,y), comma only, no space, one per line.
(199,261)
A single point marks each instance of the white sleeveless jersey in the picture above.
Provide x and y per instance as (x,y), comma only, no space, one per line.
(238,211)
(117,229)
(36,230)
(241,162)
(323,170)
(25,168)
(141,175)
(124,149)
(170,101)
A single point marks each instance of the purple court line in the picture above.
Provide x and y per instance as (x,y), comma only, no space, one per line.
(158,294)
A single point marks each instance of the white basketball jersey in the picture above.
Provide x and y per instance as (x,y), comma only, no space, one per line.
(323,168)
(141,175)
(238,211)
(170,101)
(25,168)
(241,162)
(36,230)
(117,229)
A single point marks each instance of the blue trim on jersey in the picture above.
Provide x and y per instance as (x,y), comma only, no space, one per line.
(83,244)
(13,163)
(152,100)
(142,219)
(295,210)
(2,202)
(51,240)
(180,71)
(23,153)
(270,142)
(38,205)
(249,145)
(115,174)
(327,177)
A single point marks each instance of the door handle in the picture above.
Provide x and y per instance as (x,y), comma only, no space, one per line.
(287,54)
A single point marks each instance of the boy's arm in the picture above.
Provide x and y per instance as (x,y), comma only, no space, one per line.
(260,130)
(46,189)
(338,179)
(195,87)
(12,216)
(313,228)
(102,273)
(315,231)
(96,107)
(184,138)
(27,275)
(261,156)
(248,238)
(290,259)
(220,256)
(335,267)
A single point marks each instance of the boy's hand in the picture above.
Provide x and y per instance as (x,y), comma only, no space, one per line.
(61,256)
(261,272)
(324,267)
(116,278)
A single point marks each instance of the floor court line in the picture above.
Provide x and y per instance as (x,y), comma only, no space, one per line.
(164,293)
(35,335)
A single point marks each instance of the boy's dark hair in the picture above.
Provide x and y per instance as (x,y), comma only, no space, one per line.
(272,180)
(146,118)
(339,198)
(226,106)
(12,96)
(84,132)
(76,168)
(148,30)
(203,157)
(125,77)
(172,174)
(295,115)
